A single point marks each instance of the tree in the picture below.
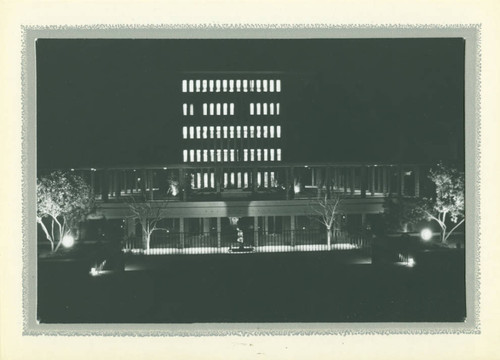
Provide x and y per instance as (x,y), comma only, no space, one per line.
(326,209)
(64,199)
(401,213)
(449,201)
(148,215)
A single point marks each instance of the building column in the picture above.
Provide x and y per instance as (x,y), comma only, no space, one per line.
(181,233)
(254,180)
(206,225)
(373,174)
(182,184)
(292,230)
(219,240)
(256,230)
(352,180)
(104,185)
(150,183)
(401,180)
(363,182)
(345,179)
(416,172)
(363,221)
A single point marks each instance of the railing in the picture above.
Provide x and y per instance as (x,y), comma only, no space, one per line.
(162,242)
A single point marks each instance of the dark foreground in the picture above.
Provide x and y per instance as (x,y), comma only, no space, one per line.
(294,287)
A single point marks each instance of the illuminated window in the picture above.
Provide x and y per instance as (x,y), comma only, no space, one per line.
(198,155)
(198,180)
(205,180)
(238,132)
(245,85)
(224,130)
(191,132)
(191,85)
(184,86)
(191,155)
(238,180)
(271,85)
(224,85)
(198,132)
(245,132)
(277,108)
(259,154)
(226,179)
(211,108)
(245,180)
(271,154)
(252,154)
(184,109)
(185,154)
(258,109)
(278,85)
(231,132)
(231,154)
(259,178)
(278,154)
(205,108)
(251,109)
(212,155)
(212,180)
(231,85)
(271,131)
(252,132)
(232,178)
(266,183)
(258,131)
(198,85)
(264,108)
(264,85)
(245,154)
(271,109)
(211,132)
(219,155)
(257,83)
(224,108)
(231,109)
(218,132)
(211,85)
(218,108)
(278,131)
(225,155)
(184,132)
(191,109)
(264,131)
(265,154)
(217,85)
(205,155)
(238,85)
(251,85)
(204,85)
(205,132)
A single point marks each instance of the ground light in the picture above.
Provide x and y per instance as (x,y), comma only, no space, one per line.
(68,241)
(426,234)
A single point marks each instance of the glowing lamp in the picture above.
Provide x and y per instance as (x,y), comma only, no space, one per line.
(68,241)
(426,234)
(411,262)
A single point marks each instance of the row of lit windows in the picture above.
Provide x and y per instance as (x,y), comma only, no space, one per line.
(231,85)
(231,132)
(231,155)
(236,179)
(218,109)
(262,109)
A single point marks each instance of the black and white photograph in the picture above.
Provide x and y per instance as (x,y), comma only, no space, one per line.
(251,180)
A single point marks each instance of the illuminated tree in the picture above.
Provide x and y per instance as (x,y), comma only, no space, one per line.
(326,211)
(400,213)
(64,200)
(449,201)
(148,215)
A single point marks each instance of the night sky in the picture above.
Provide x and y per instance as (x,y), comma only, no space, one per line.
(116,102)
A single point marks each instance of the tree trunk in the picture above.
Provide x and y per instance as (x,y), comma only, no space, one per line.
(329,236)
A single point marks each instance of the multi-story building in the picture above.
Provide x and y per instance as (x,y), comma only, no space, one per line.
(233,172)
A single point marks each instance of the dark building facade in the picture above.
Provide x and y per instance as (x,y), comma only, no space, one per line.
(234,173)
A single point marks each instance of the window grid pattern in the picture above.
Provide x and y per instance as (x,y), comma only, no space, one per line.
(231,85)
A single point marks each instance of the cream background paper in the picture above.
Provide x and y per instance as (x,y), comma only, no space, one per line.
(14,14)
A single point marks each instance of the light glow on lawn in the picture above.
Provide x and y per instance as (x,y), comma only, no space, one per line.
(68,241)
(426,234)
(411,262)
